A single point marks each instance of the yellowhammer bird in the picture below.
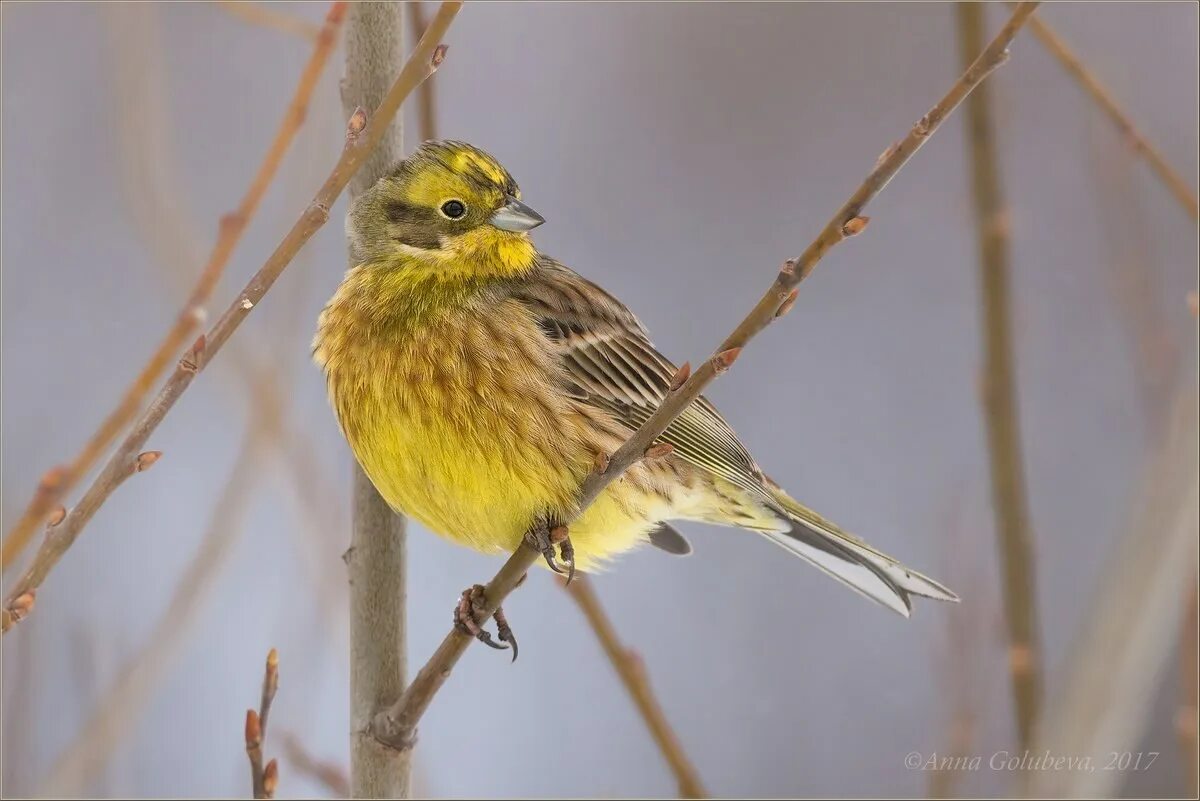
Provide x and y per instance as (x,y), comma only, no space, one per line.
(478,382)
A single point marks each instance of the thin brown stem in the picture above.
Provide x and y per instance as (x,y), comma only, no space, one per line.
(362,136)
(632,672)
(265,15)
(427,94)
(1009,501)
(124,702)
(328,774)
(263,778)
(396,726)
(60,480)
(1171,179)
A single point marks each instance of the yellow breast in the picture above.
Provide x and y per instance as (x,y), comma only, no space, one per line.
(455,417)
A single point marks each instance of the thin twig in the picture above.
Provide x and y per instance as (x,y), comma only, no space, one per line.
(361,138)
(264,779)
(328,774)
(1129,247)
(266,16)
(1009,502)
(632,671)
(60,480)
(396,726)
(426,94)
(1058,48)
(124,703)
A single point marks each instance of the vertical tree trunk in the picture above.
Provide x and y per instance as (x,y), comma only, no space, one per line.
(376,559)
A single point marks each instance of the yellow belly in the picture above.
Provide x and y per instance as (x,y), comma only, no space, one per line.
(458,426)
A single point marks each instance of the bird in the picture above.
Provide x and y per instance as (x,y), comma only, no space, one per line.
(479,381)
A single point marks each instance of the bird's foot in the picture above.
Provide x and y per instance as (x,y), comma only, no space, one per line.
(544,538)
(469,615)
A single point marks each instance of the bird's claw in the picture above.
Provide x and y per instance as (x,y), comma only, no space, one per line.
(545,539)
(467,618)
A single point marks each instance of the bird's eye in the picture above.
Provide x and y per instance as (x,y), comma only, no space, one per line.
(454,209)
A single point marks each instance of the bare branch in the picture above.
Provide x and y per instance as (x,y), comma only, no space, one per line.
(1009,502)
(632,671)
(50,493)
(1058,48)
(123,704)
(328,774)
(265,15)
(361,139)
(396,726)
(263,778)
(376,567)
(427,93)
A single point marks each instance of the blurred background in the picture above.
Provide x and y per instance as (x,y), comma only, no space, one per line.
(679,153)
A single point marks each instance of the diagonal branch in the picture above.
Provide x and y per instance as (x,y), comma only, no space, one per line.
(632,671)
(1009,502)
(1172,180)
(396,725)
(361,138)
(58,481)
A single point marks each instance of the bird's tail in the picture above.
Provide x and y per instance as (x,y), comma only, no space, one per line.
(850,560)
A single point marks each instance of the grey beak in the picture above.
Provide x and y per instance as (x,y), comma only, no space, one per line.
(516,216)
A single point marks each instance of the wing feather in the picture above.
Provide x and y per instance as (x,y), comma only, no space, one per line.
(610,363)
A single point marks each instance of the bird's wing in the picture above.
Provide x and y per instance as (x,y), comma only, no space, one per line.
(609,363)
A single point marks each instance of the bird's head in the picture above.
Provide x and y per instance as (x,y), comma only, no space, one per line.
(448,205)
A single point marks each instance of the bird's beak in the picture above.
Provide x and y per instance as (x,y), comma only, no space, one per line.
(516,216)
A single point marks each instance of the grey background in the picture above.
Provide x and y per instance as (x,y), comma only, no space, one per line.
(679,153)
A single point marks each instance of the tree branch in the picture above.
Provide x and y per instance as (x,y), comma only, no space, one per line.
(123,703)
(632,671)
(263,779)
(361,139)
(999,392)
(1058,48)
(266,16)
(426,94)
(57,482)
(328,774)
(376,567)
(396,726)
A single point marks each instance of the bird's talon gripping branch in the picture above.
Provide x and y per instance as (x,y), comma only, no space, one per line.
(544,538)
(559,535)
(467,616)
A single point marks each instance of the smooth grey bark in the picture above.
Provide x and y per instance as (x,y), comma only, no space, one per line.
(376,559)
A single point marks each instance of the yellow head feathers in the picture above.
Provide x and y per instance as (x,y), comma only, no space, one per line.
(449,211)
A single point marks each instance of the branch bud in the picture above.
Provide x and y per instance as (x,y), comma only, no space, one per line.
(725,359)
(681,376)
(357,122)
(57,516)
(855,226)
(253,730)
(146,460)
(271,778)
(659,450)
